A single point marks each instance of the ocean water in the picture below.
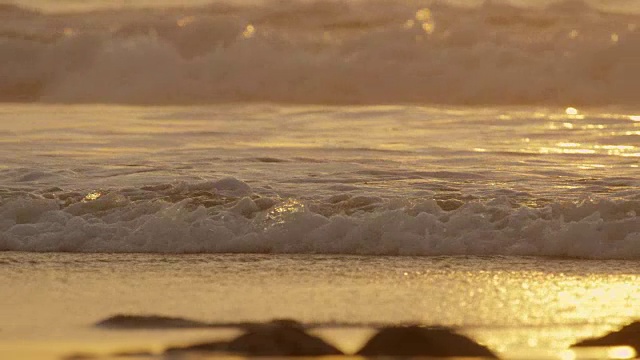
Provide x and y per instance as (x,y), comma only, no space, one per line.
(570,53)
(462,163)
(372,180)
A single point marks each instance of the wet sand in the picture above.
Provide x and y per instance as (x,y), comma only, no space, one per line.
(518,307)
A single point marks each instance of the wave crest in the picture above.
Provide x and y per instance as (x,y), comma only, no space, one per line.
(225,216)
(324,52)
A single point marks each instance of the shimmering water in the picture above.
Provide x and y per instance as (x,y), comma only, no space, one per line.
(445,163)
(520,307)
(314,179)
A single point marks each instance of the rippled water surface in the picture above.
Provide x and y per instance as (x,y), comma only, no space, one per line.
(316,179)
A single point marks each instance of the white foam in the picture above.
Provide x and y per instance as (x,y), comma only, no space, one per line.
(114,223)
(319,52)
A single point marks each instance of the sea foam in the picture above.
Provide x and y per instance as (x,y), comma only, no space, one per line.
(225,216)
(324,52)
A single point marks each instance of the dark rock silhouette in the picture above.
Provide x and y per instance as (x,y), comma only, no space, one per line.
(149,322)
(281,338)
(628,335)
(123,354)
(213,346)
(80,356)
(277,338)
(419,341)
(152,321)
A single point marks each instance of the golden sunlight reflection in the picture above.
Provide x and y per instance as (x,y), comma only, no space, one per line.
(634,117)
(278,213)
(568,144)
(573,147)
(409,24)
(424,15)
(590,166)
(591,127)
(598,352)
(615,294)
(568,355)
(589,305)
(615,37)
(184,21)
(249,31)
(429,28)
(571,111)
(619,151)
(94,195)
(622,352)
(555,150)
(615,147)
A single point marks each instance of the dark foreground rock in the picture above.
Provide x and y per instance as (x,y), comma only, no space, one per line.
(277,338)
(419,341)
(627,336)
(149,322)
(144,322)
(125,354)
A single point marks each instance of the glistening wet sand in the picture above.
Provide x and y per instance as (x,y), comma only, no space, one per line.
(518,307)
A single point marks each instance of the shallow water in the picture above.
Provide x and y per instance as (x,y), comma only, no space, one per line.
(521,307)
(383,180)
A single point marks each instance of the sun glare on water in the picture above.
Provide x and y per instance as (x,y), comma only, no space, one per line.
(94,195)
(571,111)
(249,31)
(622,352)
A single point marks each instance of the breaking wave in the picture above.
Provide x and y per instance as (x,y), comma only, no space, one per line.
(326,52)
(227,216)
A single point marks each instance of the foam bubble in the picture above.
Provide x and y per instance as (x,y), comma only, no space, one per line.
(189,224)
